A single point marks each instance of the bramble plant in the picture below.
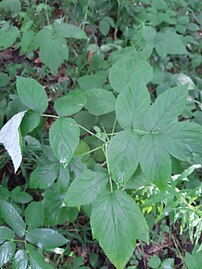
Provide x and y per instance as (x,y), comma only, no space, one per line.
(119,142)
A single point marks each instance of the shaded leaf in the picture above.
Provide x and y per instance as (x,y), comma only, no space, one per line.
(45,238)
(12,218)
(34,215)
(6,233)
(85,188)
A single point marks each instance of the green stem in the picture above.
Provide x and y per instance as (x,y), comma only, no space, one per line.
(50,116)
(88,131)
(90,151)
(108,169)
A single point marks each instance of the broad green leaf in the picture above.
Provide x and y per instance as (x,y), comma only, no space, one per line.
(148,33)
(6,252)
(123,155)
(44,175)
(193,261)
(169,43)
(132,104)
(85,188)
(6,233)
(69,30)
(34,215)
(117,222)
(36,259)
(27,41)
(20,260)
(166,108)
(155,160)
(45,238)
(12,218)
(154,262)
(11,5)
(95,81)
(128,69)
(9,137)
(64,139)
(32,94)
(99,101)
(70,104)
(8,36)
(184,141)
(53,49)
(30,121)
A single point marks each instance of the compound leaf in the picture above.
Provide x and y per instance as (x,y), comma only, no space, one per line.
(64,139)
(117,222)
(122,155)
(85,188)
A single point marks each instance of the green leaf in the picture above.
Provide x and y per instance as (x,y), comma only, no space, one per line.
(132,104)
(20,260)
(32,94)
(70,104)
(69,30)
(30,121)
(154,262)
(193,261)
(9,137)
(34,215)
(53,49)
(37,260)
(94,81)
(155,160)
(99,101)
(64,139)
(85,188)
(6,233)
(184,141)
(6,252)
(127,70)
(8,36)
(44,175)
(122,155)
(27,41)
(45,238)
(166,108)
(148,33)
(11,5)
(12,218)
(169,43)
(117,222)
